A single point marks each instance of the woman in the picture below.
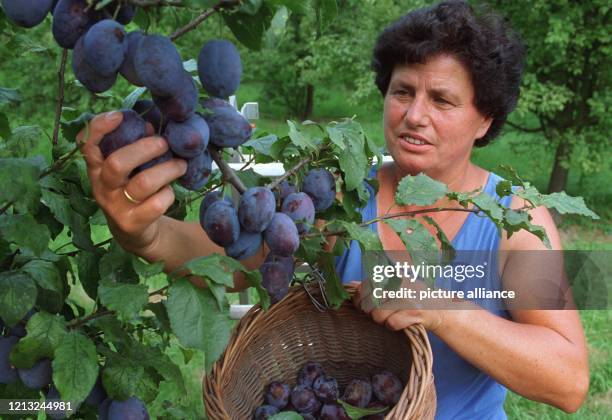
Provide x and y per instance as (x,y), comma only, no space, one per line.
(449,79)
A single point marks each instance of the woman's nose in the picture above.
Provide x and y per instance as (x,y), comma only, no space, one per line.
(416,112)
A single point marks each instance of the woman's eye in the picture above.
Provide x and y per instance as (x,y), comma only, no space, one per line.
(442,101)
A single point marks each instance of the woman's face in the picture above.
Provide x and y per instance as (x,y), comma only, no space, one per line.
(430,120)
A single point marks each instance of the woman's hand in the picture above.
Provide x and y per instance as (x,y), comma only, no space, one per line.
(132,206)
(398,314)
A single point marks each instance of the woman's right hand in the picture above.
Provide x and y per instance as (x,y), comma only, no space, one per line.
(133,206)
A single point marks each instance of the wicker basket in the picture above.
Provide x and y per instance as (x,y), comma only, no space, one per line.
(273,345)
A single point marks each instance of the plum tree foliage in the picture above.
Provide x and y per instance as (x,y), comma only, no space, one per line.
(67,293)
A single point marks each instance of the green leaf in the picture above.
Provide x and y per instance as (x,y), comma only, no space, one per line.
(70,129)
(116,265)
(296,6)
(22,230)
(152,357)
(336,294)
(9,96)
(75,367)
(197,321)
(17,296)
(27,141)
(49,280)
(489,206)
(300,138)
(45,332)
(326,11)
(19,180)
(367,238)
(127,299)
(121,377)
(87,268)
(114,332)
(5,126)
(566,204)
(262,145)
(130,100)
(445,243)
(503,188)
(145,269)
(420,190)
(251,6)
(414,235)
(254,279)
(358,412)
(352,158)
(250,29)
(287,415)
(218,268)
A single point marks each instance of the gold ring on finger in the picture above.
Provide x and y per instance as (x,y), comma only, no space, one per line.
(130,198)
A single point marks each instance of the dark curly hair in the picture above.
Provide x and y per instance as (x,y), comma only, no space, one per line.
(493,54)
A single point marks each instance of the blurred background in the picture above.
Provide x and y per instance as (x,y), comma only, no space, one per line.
(558,138)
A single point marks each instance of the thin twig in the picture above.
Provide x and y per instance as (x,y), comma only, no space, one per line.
(6,207)
(389,216)
(81,321)
(202,17)
(524,129)
(246,165)
(58,164)
(228,173)
(74,253)
(60,96)
(159,291)
(289,173)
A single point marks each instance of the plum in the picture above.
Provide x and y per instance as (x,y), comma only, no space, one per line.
(331,411)
(320,185)
(38,376)
(127,69)
(275,279)
(246,246)
(219,68)
(264,412)
(105,46)
(157,62)
(358,393)
(221,223)
(149,112)
(326,388)
(277,394)
(86,74)
(71,19)
(387,387)
(228,128)
(189,138)
(182,104)
(309,372)
(210,198)
(131,129)
(8,374)
(198,171)
(304,400)
(132,409)
(26,13)
(282,235)
(256,209)
(300,208)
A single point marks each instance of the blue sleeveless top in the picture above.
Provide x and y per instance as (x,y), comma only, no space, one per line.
(462,391)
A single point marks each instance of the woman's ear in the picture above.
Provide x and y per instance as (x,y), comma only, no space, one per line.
(483,127)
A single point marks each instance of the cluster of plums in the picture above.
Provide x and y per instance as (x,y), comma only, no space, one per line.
(39,377)
(316,395)
(260,216)
(102,49)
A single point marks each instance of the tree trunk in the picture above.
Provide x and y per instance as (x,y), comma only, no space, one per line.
(308,106)
(558,177)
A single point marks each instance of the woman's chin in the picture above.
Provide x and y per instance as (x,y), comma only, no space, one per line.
(411,165)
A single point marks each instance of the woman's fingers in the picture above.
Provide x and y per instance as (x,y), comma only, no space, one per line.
(148,182)
(90,136)
(119,165)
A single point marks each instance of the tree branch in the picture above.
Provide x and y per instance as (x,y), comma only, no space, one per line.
(60,96)
(228,173)
(289,173)
(6,207)
(389,216)
(81,321)
(223,4)
(524,129)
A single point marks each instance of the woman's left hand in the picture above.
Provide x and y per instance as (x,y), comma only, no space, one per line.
(400,314)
